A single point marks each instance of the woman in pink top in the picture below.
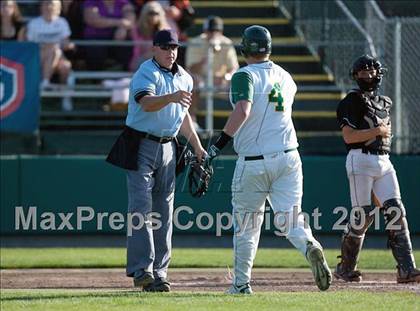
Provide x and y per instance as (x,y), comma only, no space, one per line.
(108,20)
(151,20)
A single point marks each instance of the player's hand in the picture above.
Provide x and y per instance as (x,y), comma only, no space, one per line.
(182,97)
(213,152)
(384,130)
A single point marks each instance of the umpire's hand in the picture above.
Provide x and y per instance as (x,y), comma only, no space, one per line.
(200,153)
(182,97)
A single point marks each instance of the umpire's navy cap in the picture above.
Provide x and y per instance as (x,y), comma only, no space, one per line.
(165,37)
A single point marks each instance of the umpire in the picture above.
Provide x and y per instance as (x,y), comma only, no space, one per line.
(160,95)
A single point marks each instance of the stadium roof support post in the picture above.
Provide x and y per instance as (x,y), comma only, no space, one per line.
(359,27)
(378,11)
(397,83)
(210,89)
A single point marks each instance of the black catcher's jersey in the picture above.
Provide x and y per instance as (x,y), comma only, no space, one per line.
(360,111)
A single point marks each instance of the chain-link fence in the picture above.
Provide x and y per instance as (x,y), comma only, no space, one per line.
(341,31)
(402,56)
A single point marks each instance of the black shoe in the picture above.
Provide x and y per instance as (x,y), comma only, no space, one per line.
(159,285)
(242,289)
(411,276)
(143,280)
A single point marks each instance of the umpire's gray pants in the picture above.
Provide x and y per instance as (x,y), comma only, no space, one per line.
(151,189)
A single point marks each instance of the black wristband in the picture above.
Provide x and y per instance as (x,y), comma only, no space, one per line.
(222,140)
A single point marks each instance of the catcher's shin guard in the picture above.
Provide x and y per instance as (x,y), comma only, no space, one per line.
(399,241)
(351,245)
(346,268)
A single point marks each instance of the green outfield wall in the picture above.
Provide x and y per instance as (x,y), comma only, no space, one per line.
(39,192)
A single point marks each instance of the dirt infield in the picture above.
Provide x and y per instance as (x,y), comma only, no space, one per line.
(279,280)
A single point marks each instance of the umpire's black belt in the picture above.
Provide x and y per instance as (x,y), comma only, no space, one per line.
(261,157)
(161,140)
(124,152)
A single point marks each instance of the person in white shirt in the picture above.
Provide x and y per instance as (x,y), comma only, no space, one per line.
(225,61)
(52,32)
(269,165)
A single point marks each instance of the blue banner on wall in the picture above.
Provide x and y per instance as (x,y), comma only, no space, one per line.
(19,87)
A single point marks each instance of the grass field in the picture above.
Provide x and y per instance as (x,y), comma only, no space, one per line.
(338,298)
(130,300)
(181,258)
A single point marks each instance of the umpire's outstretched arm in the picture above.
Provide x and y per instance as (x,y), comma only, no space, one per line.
(152,103)
(187,130)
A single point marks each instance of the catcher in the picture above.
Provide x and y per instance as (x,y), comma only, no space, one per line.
(364,118)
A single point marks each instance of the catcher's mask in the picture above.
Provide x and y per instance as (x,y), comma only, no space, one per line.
(367,62)
(199,175)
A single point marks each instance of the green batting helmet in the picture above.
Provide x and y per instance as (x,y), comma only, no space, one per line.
(256,40)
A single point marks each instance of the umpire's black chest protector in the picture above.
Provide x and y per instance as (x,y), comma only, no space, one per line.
(376,110)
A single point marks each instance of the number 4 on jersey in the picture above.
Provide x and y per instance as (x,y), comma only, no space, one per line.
(275,97)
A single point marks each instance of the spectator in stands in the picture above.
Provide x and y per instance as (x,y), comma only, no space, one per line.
(179,13)
(72,10)
(225,61)
(108,20)
(151,20)
(52,32)
(12,26)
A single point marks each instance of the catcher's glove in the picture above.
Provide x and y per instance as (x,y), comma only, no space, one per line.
(199,176)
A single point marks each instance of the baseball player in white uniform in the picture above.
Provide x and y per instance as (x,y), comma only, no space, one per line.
(269,165)
(364,116)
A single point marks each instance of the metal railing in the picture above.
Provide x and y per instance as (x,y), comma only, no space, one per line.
(74,90)
(358,26)
(70,90)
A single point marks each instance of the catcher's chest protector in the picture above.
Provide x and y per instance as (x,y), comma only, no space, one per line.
(377,111)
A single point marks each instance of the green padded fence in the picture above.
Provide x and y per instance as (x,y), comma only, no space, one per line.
(72,184)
